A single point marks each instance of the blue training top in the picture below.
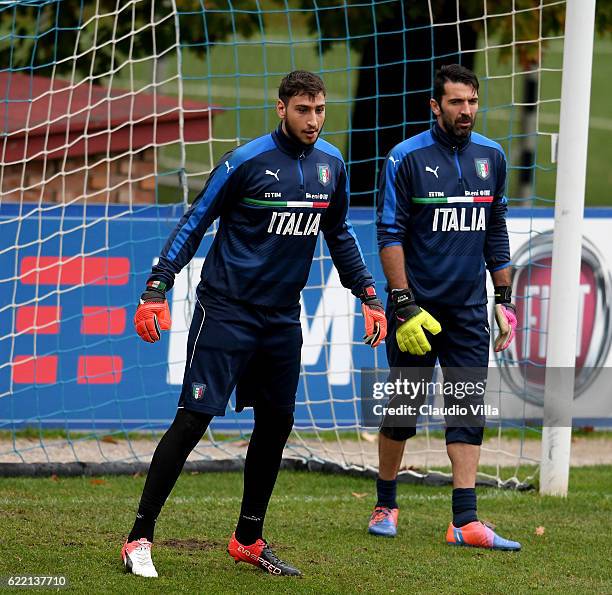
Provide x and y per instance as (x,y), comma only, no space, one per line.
(272,196)
(443,201)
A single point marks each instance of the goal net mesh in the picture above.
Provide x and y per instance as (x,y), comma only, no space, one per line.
(113,114)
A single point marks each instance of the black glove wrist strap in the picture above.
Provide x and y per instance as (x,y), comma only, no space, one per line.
(503,294)
(402,297)
(368,294)
(155,292)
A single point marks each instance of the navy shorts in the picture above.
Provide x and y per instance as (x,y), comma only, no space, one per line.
(231,344)
(462,348)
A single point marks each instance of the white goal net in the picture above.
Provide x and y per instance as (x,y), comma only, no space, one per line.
(113,113)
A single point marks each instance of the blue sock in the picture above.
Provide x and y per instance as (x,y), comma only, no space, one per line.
(464,506)
(386,490)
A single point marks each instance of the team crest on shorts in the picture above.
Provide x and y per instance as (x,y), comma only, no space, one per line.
(198,390)
(482,168)
(324,173)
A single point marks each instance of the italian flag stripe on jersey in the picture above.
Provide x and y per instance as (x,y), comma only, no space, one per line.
(296,204)
(449,199)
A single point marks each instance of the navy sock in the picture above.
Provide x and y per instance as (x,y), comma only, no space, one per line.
(386,491)
(464,506)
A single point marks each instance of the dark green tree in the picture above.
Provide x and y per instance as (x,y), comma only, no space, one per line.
(399,48)
(400,51)
(37,36)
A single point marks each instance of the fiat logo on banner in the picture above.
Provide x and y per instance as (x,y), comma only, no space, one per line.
(523,364)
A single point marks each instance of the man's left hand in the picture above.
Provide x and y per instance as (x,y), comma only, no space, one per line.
(373,316)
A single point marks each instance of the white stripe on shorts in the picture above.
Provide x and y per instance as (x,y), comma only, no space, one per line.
(199,331)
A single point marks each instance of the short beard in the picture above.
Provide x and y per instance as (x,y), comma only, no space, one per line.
(295,137)
(452,130)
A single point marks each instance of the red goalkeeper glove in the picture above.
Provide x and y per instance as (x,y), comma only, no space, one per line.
(505,317)
(373,317)
(152,315)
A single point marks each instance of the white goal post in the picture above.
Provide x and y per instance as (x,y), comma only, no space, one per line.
(567,246)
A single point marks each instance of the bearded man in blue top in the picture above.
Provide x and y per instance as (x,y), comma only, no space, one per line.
(441,224)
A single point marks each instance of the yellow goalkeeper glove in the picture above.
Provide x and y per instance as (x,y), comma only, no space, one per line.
(411,321)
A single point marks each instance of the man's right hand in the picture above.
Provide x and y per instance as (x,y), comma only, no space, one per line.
(152,315)
(411,320)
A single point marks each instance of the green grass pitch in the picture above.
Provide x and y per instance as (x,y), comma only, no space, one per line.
(75,526)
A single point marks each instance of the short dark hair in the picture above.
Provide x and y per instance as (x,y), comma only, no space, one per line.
(455,73)
(300,82)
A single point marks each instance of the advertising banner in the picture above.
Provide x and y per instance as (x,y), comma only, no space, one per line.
(71,278)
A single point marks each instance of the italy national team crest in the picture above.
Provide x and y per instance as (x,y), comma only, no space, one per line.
(324,173)
(198,390)
(482,168)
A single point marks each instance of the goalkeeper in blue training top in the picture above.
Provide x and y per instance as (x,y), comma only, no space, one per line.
(272,196)
(441,224)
